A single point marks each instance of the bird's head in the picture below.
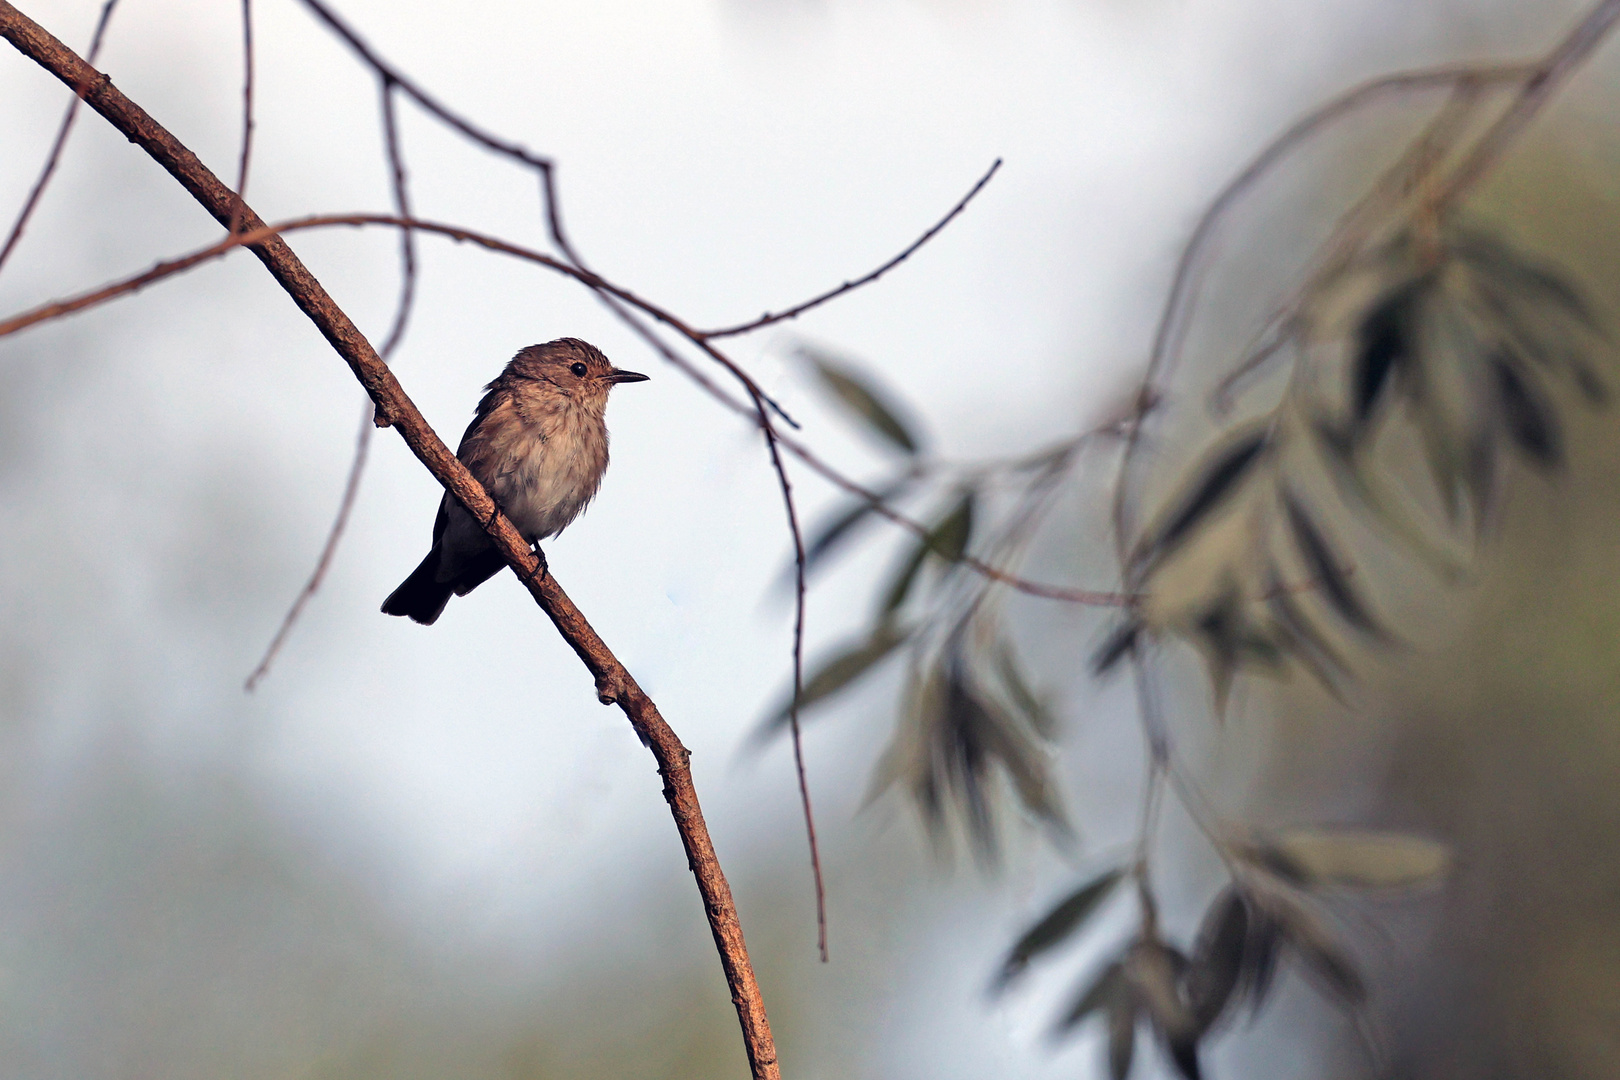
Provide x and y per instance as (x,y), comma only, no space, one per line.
(574,367)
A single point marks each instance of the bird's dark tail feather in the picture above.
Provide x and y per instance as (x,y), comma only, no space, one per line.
(422,597)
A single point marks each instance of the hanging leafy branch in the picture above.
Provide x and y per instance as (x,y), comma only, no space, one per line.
(1415,325)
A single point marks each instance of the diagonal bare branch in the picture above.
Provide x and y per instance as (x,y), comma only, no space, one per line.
(614,684)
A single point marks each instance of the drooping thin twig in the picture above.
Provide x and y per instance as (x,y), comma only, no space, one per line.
(49,168)
(351,488)
(798,691)
(394,408)
(247,114)
(357,465)
(866,279)
(58,308)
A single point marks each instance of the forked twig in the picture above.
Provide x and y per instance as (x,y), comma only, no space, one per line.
(866,279)
(51,159)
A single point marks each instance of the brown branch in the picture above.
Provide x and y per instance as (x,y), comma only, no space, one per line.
(55,155)
(850,286)
(614,684)
(58,308)
(1557,66)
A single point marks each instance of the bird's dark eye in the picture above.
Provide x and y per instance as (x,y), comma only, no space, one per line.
(578,370)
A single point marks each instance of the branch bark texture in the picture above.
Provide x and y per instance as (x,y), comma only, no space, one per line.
(614,684)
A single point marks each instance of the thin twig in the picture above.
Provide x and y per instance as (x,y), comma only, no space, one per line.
(351,488)
(247,116)
(849,286)
(55,155)
(357,465)
(798,690)
(394,408)
(1559,64)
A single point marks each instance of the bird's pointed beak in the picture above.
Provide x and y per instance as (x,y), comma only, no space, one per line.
(620,375)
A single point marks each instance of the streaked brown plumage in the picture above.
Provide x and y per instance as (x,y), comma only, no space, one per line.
(539,445)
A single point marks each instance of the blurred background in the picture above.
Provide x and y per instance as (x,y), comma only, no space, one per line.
(425,852)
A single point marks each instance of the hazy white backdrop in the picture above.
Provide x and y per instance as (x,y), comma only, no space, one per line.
(429,851)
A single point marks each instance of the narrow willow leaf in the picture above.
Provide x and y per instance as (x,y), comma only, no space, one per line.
(1219,636)
(1303,640)
(979,734)
(947,539)
(1099,994)
(1155,972)
(1021,694)
(1303,932)
(1216,967)
(1517,274)
(1531,422)
(1358,859)
(1365,483)
(1221,474)
(1384,343)
(861,399)
(1327,573)
(1007,741)
(1260,959)
(1183,1053)
(906,759)
(842,669)
(1121,1036)
(900,587)
(831,536)
(1064,919)
(1115,647)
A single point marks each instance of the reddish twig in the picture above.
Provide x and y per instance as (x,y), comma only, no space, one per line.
(394,408)
(798,690)
(357,465)
(55,155)
(247,116)
(850,286)
(351,489)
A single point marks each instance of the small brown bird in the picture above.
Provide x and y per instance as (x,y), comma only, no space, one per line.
(539,445)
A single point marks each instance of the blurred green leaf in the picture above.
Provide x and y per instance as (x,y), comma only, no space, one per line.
(862,399)
(1222,472)
(1328,574)
(1019,692)
(1154,970)
(1063,920)
(835,674)
(1300,929)
(1357,859)
(947,539)
(1216,967)
(830,536)
(1099,994)
(1121,1035)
